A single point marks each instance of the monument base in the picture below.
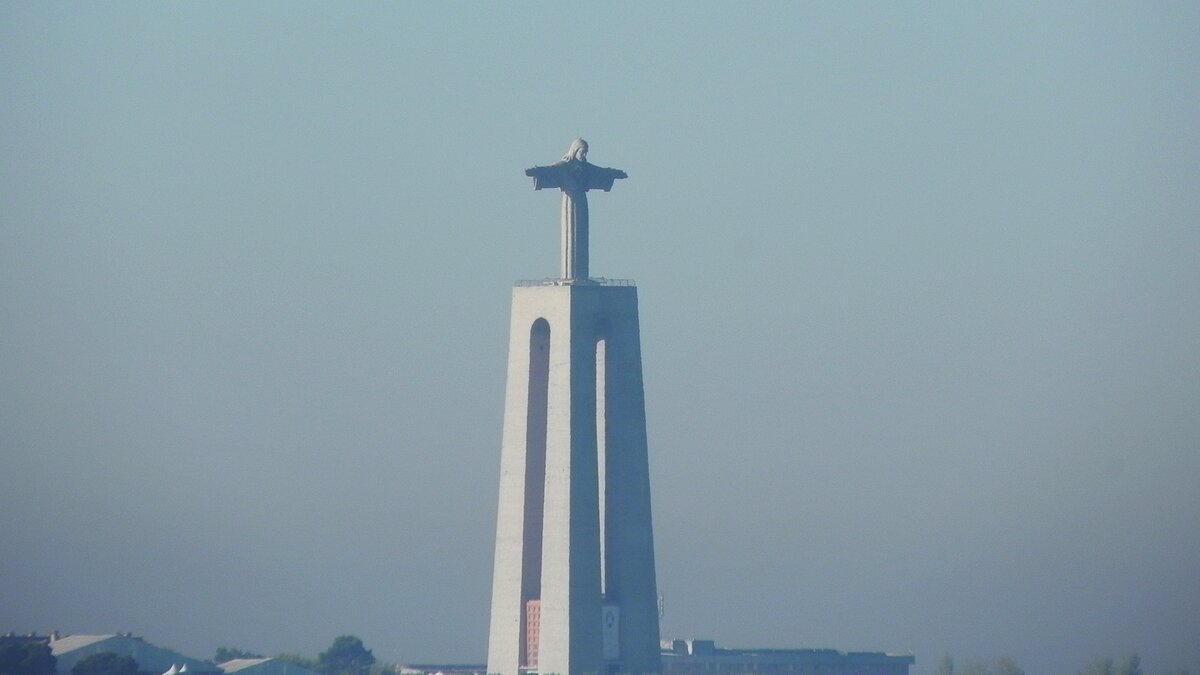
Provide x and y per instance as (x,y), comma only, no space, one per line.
(573,535)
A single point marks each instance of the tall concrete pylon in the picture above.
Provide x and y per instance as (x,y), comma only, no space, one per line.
(574,590)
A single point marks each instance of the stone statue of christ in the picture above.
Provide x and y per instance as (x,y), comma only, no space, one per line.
(574,175)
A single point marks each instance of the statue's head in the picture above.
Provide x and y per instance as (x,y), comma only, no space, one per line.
(577,151)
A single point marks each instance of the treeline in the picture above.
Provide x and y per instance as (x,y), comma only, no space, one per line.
(27,658)
(1130,665)
(36,658)
(346,656)
(1001,666)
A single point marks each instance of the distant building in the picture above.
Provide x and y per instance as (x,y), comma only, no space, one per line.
(263,667)
(71,649)
(693,657)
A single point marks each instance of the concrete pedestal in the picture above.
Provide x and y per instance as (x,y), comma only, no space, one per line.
(573,531)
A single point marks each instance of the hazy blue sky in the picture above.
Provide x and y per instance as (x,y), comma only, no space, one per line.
(920,291)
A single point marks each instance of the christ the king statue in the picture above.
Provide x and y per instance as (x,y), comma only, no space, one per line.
(574,175)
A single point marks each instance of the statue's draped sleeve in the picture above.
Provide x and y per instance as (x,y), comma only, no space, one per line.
(545,176)
(600,178)
(574,176)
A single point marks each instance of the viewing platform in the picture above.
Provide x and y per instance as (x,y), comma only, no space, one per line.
(591,281)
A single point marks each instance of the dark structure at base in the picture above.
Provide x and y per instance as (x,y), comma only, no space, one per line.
(693,657)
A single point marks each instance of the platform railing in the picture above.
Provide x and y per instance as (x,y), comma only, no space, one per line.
(592,281)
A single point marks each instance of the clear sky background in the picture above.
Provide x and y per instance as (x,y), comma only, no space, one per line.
(920,293)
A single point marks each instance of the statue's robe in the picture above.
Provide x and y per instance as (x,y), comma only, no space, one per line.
(574,177)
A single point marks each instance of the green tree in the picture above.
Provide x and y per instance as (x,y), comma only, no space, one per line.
(1098,667)
(945,665)
(106,663)
(230,653)
(29,658)
(976,668)
(346,656)
(1007,666)
(1131,665)
(383,668)
(297,660)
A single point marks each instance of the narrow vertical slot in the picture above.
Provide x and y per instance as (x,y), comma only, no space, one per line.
(535,482)
(602,454)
